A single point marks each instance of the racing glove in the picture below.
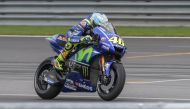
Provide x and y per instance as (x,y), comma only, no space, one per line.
(86,39)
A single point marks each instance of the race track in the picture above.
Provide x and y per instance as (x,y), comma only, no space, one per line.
(158,70)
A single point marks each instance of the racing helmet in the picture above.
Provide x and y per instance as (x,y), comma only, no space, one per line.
(99,19)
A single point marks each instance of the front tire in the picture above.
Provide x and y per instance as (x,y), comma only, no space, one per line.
(111,90)
(42,88)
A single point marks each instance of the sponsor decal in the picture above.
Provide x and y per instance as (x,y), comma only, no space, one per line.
(103,38)
(75,40)
(105,47)
(83,23)
(84,86)
(70,84)
(107,65)
(82,68)
(72,64)
(106,44)
(82,53)
(85,71)
(62,38)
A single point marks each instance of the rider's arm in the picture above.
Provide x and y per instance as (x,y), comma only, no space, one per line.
(77,31)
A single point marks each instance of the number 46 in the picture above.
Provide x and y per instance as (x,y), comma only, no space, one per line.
(117,40)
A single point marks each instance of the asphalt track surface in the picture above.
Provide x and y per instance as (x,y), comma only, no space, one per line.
(158,70)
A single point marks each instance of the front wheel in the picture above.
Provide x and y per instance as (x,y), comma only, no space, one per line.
(42,88)
(115,83)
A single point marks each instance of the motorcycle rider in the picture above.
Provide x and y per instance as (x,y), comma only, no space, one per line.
(75,36)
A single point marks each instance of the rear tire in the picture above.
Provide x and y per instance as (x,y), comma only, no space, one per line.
(42,88)
(118,83)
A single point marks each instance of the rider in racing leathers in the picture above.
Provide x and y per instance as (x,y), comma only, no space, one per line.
(74,36)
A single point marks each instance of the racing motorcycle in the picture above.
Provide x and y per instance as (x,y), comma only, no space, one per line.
(91,67)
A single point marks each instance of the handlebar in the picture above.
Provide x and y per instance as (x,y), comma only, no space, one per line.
(94,41)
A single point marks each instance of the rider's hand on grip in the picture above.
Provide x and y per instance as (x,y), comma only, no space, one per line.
(86,39)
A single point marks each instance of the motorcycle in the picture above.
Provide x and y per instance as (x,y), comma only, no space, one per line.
(91,67)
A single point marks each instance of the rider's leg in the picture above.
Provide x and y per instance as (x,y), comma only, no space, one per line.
(59,61)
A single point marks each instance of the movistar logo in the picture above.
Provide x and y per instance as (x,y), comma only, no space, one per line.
(84,53)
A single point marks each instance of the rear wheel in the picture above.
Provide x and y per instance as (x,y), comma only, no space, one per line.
(42,88)
(114,84)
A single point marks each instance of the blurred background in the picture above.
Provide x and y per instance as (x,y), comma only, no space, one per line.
(120,12)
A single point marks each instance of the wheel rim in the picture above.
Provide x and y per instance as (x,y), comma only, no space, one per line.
(41,82)
(107,88)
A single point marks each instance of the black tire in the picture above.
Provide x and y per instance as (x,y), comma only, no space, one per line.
(119,83)
(50,92)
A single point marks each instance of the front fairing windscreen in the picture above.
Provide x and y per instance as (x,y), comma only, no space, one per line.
(109,27)
(105,30)
(105,44)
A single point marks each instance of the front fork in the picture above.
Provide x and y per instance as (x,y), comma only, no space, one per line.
(105,69)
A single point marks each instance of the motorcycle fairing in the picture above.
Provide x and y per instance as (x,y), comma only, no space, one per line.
(104,43)
(56,43)
(74,82)
(85,55)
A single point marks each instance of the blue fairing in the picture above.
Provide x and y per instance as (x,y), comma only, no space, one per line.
(104,44)
(95,51)
(74,82)
(54,43)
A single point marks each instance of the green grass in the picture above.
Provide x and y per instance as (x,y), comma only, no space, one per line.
(155,31)
(32,30)
(123,31)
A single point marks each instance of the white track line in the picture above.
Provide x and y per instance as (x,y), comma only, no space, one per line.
(152,82)
(156,98)
(169,75)
(159,55)
(75,96)
(19,95)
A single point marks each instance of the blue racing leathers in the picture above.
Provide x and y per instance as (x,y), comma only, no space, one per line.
(74,38)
